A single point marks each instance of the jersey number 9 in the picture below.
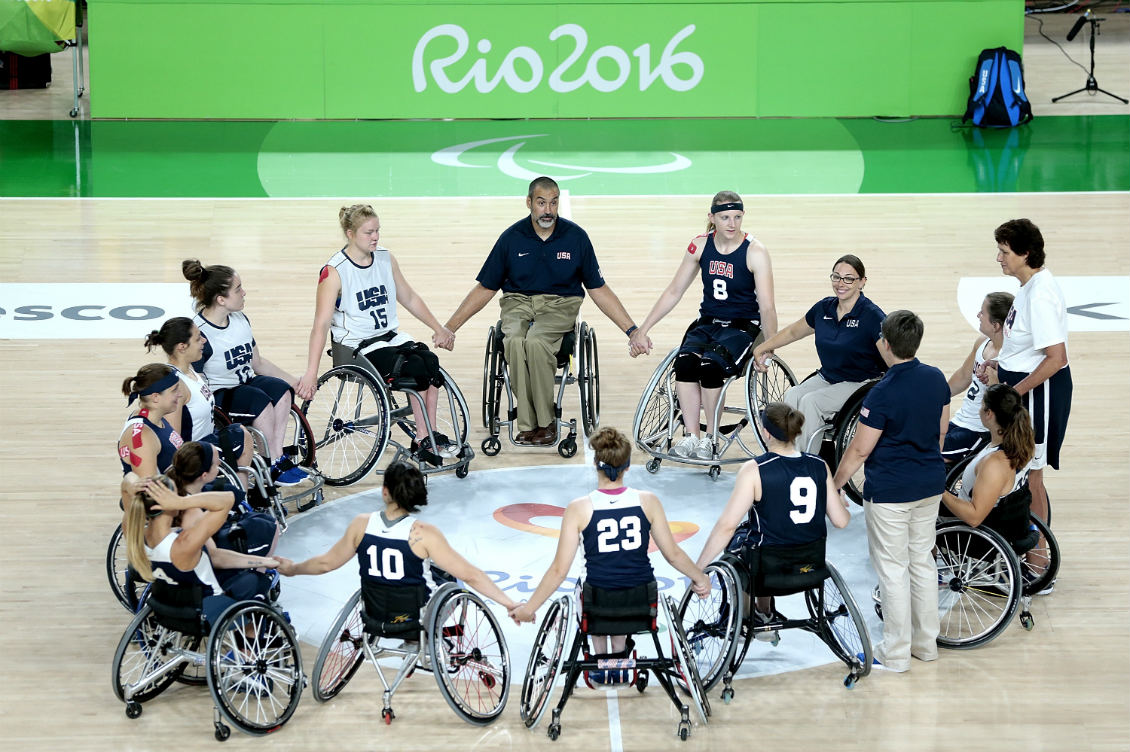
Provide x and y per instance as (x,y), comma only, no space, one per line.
(802,493)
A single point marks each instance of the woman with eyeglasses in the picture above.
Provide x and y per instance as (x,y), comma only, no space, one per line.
(847,326)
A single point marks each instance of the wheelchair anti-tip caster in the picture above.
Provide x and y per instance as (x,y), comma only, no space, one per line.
(554,731)
(387,715)
(715,471)
(133,709)
(222,732)
(462,470)
(727,695)
(653,465)
(491,446)
(567,448)
(1027,621)
(684,730)
(641,682)
(849,681)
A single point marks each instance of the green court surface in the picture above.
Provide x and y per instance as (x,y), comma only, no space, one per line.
(240,159)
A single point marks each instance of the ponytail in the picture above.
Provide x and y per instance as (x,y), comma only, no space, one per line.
(782,422)
(1018,440)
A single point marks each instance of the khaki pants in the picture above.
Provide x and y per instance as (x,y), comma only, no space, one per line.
(532,329)
(819,401)
(900,539)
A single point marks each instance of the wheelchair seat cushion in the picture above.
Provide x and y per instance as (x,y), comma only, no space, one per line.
(178,607)
(393,611)
(616,612)
(784,570)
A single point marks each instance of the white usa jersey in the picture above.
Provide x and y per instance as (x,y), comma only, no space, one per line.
(161,557)
(969,414)
(367,304)
(227,353)
(201,405)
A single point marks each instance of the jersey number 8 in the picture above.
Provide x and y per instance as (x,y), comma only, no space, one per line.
(720,291)
(609,530)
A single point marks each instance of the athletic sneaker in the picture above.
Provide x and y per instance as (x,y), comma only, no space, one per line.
(705,448)
(447,447)
(285,473)
(687,447)
(761,620)
(1029,577)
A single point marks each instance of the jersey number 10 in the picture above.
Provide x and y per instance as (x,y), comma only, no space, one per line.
(392,562)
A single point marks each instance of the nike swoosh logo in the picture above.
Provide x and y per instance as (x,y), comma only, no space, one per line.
(827,317)
(520,255)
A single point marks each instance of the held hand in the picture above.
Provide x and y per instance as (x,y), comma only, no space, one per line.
(759,357)
(270,562)
(988,375)
(306,387)
(701,586)
(639,343)
(444,338)
(522,613)
(164,497)
(284,565)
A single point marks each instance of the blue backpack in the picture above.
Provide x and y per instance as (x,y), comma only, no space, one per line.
(996,91)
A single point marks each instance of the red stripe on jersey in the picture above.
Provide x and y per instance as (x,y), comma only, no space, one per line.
(325,273)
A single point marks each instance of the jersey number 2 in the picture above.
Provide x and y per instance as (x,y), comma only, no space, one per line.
(609,530)
(802,493)
(392,561)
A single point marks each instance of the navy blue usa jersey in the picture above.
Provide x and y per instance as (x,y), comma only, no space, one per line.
(616,541)
(794,493)
(384,556)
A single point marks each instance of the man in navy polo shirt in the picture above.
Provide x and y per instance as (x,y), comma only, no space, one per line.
(540,263)
(901,427)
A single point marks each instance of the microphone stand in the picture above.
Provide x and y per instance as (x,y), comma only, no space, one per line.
(1092,85)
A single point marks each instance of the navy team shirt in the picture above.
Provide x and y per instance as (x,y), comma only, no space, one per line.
(521,262)
(847,347)
(906,405)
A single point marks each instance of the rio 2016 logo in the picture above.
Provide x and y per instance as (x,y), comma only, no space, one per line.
(667,68)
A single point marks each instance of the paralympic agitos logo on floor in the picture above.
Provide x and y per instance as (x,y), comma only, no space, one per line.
(605,69)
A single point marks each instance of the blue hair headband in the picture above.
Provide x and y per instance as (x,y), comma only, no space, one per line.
(157,386)
(772,428)
(612,472)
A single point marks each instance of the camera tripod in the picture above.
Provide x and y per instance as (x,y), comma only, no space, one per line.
(1092,85)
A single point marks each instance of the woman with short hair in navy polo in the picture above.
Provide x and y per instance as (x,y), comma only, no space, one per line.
(249,388)
(737,306)
(847,328)
(360,290)
(784,495)
(901,428)
(393,548)
(1033,357)
(148,440)
(615,523)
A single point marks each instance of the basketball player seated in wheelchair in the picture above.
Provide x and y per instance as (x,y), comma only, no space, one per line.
(404,598)
(773,533)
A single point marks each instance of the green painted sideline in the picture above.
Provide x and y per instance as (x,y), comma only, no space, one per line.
(599,157)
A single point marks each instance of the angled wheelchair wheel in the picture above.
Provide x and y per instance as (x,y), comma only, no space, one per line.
(341,653)
(841,624)
(588,379)
(254,668)
(300,436)
(554,637)
(124,582)
(452,415)
(349,420)
(1042,560)
(843,432)
(493,379)
(469,656)
(711,624)
(979,585)
(146,648)
(657,415)
(763,389)
(685,664)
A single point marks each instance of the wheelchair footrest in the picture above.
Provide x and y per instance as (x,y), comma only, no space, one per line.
(603,664)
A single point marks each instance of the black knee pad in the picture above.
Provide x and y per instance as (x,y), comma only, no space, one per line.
(686,366)
(710,375)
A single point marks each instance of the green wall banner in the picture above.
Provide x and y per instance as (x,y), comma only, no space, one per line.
(394,60)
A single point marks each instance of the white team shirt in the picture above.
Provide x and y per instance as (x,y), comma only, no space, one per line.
(163,554)
(969,414)
(201,405)
(228,352)
(367,306)
(1037,320)
(969,477)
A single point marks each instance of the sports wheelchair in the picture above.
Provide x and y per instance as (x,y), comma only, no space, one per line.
(987,573)
(744,395)
(721,627)
(452,634)
(355,409)
(605,612)
(578,345)
(124,582)
(250,656)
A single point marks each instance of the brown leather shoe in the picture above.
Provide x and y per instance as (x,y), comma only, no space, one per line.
(525,437)
(545,436)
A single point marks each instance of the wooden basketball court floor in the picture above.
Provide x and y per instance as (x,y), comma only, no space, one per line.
(1065,685)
